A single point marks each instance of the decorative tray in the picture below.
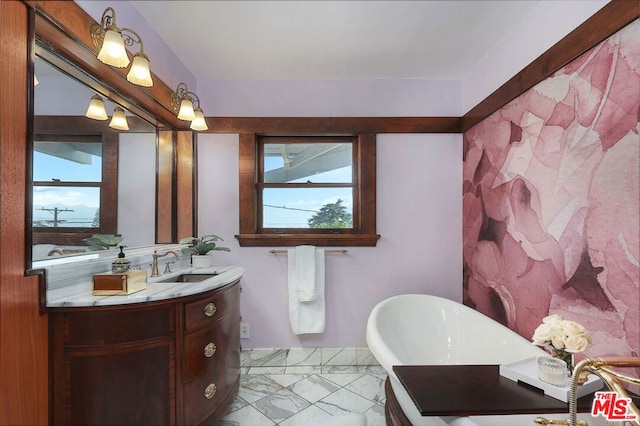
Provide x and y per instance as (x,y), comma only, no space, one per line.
(527,371)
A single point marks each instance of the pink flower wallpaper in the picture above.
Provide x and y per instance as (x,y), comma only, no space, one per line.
(551,200)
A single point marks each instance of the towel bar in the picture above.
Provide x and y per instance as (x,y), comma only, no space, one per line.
(330,251)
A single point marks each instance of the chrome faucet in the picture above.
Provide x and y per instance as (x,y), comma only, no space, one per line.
(154,266)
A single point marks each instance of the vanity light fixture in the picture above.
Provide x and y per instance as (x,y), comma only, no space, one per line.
(96,109)
(119,120)
(112,40)
(199,123)
(182,100)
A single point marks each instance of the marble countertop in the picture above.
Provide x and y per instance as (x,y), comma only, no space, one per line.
(155,290)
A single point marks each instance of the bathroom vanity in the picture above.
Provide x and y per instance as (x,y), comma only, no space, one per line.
(169,354)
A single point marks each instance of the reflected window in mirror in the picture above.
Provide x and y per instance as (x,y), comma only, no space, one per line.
(74,192)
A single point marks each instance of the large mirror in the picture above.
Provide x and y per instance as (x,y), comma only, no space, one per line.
(90,181)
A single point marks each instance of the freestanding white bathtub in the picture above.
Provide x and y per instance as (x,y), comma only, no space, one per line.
(417,329)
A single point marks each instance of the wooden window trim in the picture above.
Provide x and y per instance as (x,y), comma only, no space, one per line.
(364,226)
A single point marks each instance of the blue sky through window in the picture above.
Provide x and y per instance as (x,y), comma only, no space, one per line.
(83,201)
(292,208)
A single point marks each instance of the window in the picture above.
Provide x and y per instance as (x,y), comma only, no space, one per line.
(74,187)
(317,190)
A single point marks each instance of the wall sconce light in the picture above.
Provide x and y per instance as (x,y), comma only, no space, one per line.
(182,100)
(112,40)
(35,81)
(119,120)
(96,109)
(199,123)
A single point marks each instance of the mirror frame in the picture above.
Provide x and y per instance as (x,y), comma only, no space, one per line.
(60,33)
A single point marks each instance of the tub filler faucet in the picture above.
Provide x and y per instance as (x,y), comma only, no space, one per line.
(154,266)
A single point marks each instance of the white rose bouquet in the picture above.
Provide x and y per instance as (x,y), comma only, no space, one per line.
(563,336)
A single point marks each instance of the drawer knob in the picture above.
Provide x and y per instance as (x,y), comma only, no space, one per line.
(210,391)
(209,350)
(209,309)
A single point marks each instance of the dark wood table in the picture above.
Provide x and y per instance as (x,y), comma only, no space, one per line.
(468,390)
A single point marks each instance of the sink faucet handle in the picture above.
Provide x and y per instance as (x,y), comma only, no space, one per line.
(167,268)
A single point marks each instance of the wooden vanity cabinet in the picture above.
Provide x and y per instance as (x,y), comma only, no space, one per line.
(166,362)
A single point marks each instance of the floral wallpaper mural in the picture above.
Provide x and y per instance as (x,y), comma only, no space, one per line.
(551,200)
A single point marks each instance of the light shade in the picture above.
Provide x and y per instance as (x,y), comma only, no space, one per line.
(139,73)
(96,109)
(119,120)
(35,80)
(113,51)
(199,123)
(186,110)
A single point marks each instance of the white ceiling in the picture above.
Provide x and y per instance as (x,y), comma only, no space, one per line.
(310,39)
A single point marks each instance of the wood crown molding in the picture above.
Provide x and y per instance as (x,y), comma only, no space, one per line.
(611,18)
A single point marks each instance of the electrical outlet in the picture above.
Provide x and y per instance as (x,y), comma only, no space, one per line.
(244,331)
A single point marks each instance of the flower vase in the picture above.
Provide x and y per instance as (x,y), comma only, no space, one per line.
(567,357)
(200,261)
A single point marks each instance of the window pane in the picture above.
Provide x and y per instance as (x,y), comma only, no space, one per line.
(67,161)
(68,207)
(302,162)
(295,207)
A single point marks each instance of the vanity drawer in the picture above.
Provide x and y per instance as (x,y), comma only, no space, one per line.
(203,395)
(210,346)
(212,307)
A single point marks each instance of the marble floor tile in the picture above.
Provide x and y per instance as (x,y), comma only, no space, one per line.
(237,404)
(369,387)
(266,370)
(344,401)
(307,387)
(269,357)
(287,379)
(304,369)
(281,405)
(304,356)
(254,388)
(313,388)
(365,357)
(339,369)
(249,416)
(372,369)
(341,379)
(375,416)
(338,356)
(309,416)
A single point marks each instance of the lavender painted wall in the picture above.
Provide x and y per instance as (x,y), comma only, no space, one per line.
(331,98)
(419,217)
(551,201)
(544,26)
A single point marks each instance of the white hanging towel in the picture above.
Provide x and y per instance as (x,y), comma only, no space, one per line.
(306,290)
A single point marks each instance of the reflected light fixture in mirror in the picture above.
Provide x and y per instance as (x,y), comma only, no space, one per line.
(96,109)
(119,120)
(199,123)
(182,100)
(112,40)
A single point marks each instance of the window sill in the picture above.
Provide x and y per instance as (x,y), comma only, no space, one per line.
(291,240)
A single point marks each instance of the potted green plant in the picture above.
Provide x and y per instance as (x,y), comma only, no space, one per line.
(199,249)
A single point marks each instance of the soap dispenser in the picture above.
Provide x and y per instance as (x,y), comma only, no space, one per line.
(121,264)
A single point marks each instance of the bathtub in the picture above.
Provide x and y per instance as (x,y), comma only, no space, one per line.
(418,329)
